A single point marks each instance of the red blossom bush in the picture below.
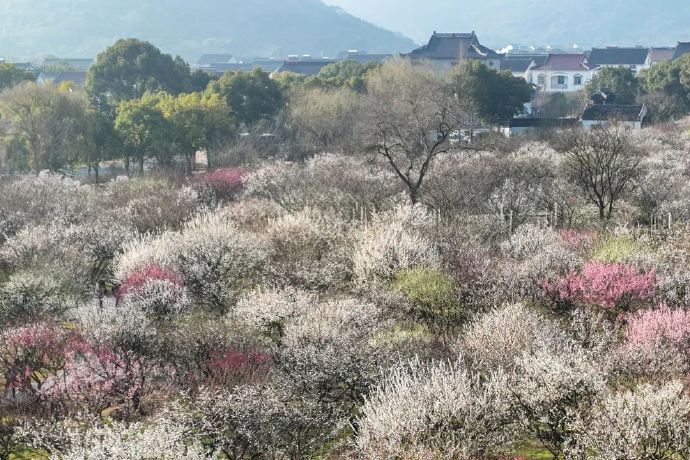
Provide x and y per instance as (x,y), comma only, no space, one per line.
(225,183)
(229,367)
(29,354)
(138,280)
(613,287)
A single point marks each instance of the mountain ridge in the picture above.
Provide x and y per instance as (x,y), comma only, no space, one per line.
(270,28)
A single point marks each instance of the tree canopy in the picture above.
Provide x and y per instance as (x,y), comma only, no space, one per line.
(494,96)
(11,75)
(251,97)
(129,69)
(619,80)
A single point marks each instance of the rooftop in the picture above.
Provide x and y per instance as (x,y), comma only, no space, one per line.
(521,62)
(661,54)
(617,56)
(609,112)
(453,46)
(681,50)
(564,62)
(305,67)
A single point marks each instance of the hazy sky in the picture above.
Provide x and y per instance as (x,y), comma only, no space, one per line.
(537,22)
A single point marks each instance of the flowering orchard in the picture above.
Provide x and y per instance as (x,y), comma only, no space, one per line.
(299,310)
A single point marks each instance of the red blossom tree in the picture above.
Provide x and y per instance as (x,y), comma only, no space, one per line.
(138,279)
(225,183)
(231,367)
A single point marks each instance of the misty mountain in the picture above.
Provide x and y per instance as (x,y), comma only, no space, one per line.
(81,28)
(541,22)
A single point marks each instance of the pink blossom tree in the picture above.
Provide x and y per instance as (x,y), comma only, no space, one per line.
(30,354)
(616,288)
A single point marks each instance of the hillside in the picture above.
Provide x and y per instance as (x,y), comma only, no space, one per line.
(499,22)
(189,28)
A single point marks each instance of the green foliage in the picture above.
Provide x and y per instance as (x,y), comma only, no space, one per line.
(431,293)
(45,123)
(494,96)
(670,78)
(615,249)
(11,76)
(619,80)
(199,121)
(144,129)
(129,69)
(251,97)
(351,74)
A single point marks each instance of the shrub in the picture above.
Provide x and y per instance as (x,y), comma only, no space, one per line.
(394,241)
(26,296)
(30,354)
(650,421)
(163,437)
(310,249)
(614,287)
(432,295)
(156,291)
(499,338)
(225,184)
(441,411)
(550,388)
(657,343)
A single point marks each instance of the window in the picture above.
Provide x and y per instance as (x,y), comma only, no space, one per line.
(577,80)
(560,80)
(541,80)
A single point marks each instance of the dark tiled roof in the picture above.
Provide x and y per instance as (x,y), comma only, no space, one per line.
(681,50)
(79,64)
(308,68)
(211,59)
(661,54)
(524,122)
(265,66)
(78,78)
(617,56)
(595,112)
(453,46)
(521,62)
(564,62)
(367,58)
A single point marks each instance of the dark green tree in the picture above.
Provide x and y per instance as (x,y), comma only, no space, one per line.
(667,85)
(251,97)
(618,80)
(493,96)
(129,69)
(10,76)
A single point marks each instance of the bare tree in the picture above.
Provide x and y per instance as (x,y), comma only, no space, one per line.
(410,112)
(603,162)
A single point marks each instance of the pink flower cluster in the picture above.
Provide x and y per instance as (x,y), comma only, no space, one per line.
(29,352)
(226,183)
(615,287)
(97,377)
(137,280)
(650,326)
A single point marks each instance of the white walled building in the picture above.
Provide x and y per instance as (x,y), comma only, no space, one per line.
(561,73)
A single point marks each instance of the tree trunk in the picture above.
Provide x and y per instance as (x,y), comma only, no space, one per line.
(127,165)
